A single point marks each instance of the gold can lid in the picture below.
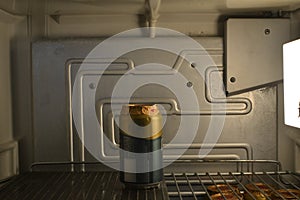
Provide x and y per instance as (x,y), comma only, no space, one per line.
(220,196)
(258,187)
(223,188)
(141,121)
(140,109)
(288,193)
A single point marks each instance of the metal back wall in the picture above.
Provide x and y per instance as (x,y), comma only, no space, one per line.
(251,118)
(34,19)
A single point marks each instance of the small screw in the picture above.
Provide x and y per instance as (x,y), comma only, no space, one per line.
(267,31)
(232,79)
(189,84)
(92,86)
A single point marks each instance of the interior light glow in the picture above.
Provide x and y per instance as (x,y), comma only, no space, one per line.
(291,82)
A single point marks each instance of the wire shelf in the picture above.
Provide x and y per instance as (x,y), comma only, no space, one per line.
(243,182)
(195,185)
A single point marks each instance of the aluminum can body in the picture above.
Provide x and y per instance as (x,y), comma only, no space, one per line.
(140,146)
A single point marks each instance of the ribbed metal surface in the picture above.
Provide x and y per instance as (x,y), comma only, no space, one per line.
(75,186)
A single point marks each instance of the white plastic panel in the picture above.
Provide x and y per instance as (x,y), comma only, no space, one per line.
(291,70)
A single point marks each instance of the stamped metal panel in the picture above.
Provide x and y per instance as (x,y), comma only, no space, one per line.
(250,115)
(254,52)
(50,111)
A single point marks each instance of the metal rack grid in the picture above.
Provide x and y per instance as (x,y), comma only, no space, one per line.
(176,186)
(186,186)
(75,186)
(194,185)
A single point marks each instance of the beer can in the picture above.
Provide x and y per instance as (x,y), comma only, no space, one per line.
(140,146)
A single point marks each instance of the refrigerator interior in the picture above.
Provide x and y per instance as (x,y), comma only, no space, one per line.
(38,37)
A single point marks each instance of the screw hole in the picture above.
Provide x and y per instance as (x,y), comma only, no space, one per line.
(193,65)
(189,84)
(232,79)
(267,31)
(92,86)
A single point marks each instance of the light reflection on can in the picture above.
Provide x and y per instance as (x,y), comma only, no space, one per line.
(140,132)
